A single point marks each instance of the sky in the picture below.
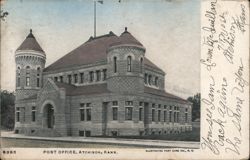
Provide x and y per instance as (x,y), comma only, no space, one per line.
(168,29)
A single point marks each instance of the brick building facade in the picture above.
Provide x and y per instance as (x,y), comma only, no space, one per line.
(105,87)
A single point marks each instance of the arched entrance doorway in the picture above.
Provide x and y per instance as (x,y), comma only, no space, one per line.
(49,117)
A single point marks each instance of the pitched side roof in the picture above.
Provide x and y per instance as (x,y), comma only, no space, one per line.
(30,43)
(72,90)
(91,51)
(151,64)
(94,50)
(164,94)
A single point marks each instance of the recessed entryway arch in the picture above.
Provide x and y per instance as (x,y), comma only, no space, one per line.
(48,112)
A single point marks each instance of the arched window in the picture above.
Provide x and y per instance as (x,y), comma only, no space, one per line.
(28,76)
(115,64)
(149,79)
(38,77)
(18,76)
(156,81)
(146,78)
(141,65)
(129,64)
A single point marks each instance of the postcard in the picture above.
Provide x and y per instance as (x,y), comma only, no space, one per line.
(124,79)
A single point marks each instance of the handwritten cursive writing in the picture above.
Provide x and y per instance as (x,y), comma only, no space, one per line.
(212,144)
(226,38)
(209,40)
(234,146)
(240,21)
(239,79)
(224,100)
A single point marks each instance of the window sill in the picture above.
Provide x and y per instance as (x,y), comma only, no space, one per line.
(27,87)
(151,86)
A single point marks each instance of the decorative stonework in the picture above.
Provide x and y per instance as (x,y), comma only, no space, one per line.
(127,48)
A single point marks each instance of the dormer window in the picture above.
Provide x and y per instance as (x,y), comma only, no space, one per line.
(129,64)
(98,75)
(149,79)
(91,76)
(69,79)
(104,74)
(61,78)
(75,78)
(156,81)
(81,77)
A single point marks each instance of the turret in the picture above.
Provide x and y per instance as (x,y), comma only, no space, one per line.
(126,65)
(30,61)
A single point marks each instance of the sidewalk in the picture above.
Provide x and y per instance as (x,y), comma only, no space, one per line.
(121,141)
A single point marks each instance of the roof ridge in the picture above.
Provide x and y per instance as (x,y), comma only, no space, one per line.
(91,38)
(169,95)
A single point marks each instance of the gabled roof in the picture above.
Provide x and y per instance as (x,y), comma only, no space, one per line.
(151,64)
(30,43)
(94,50)
(164,94)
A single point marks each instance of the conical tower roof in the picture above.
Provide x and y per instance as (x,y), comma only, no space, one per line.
(30,43)
(127,38)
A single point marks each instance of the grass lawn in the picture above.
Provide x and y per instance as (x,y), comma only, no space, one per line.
(193,135)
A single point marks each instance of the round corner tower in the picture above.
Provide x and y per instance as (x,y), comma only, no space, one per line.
(126,65)
(30,61)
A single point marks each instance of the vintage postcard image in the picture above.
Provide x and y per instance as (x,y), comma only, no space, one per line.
(124,79)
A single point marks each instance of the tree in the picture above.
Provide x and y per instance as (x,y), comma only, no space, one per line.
(7,110)
(196,99)
(3,15)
